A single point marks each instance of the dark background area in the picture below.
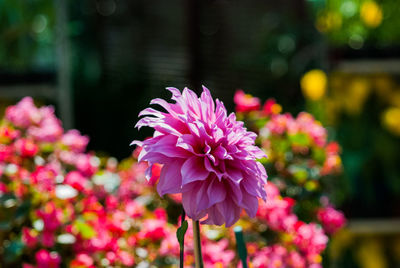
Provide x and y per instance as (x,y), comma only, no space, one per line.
(143,47)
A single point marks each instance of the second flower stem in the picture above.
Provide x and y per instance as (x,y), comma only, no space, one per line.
(197,245)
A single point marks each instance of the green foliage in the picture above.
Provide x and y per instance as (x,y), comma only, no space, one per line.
(13,250)
(355,23)
(84,229)
(26,34)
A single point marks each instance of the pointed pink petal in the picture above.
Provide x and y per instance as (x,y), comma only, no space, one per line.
(250,204)
(193,170)
(170,178)
(216,192)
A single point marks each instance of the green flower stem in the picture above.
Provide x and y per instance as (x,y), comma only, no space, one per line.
(197,245)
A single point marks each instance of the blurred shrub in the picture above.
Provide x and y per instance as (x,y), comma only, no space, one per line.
(355,23)
(61,206)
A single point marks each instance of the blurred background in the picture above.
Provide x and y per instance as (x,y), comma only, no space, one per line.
(100,62)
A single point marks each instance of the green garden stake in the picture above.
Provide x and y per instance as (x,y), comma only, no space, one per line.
(240,245)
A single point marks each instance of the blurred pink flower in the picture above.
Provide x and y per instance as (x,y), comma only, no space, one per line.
(86,164)
(217,253)
(333,163)
(44,177)
(306,123)
(76,180)
(26,147)
(82,260)
(160,214)
(310,238)
(169,245)
(111,257)
(75,141)
(271,107)
(48,238)
(153,229)
(8,134)
(295,260)
(125,258)
(278,256)
(331,219)
(49,127)
(303,123)
(207,156)
(279,123)
(270,257)
(6,152)
(24,113)
(29,238)
(134,209)
(277,212)
(51,216)
(3,186)
(245,102)
(45,259)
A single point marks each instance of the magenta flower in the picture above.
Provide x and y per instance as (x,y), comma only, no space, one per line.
(45,259)
(331,219)
(29,237)
(206,155)
(245,102)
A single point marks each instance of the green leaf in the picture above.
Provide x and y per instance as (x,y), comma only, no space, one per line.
(84,229)
(300,139)
(261,122)
(300,175)
(318,154)
(180,233)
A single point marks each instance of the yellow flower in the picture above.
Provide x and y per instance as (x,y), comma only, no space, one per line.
(391,120)
(371,14)
(313,84)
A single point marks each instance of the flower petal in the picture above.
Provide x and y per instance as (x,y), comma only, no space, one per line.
(216,192)
(193,170)
(170,178)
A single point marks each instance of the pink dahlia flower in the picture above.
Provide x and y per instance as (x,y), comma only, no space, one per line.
(206,155)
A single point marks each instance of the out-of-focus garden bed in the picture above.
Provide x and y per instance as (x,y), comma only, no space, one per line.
(62,206)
